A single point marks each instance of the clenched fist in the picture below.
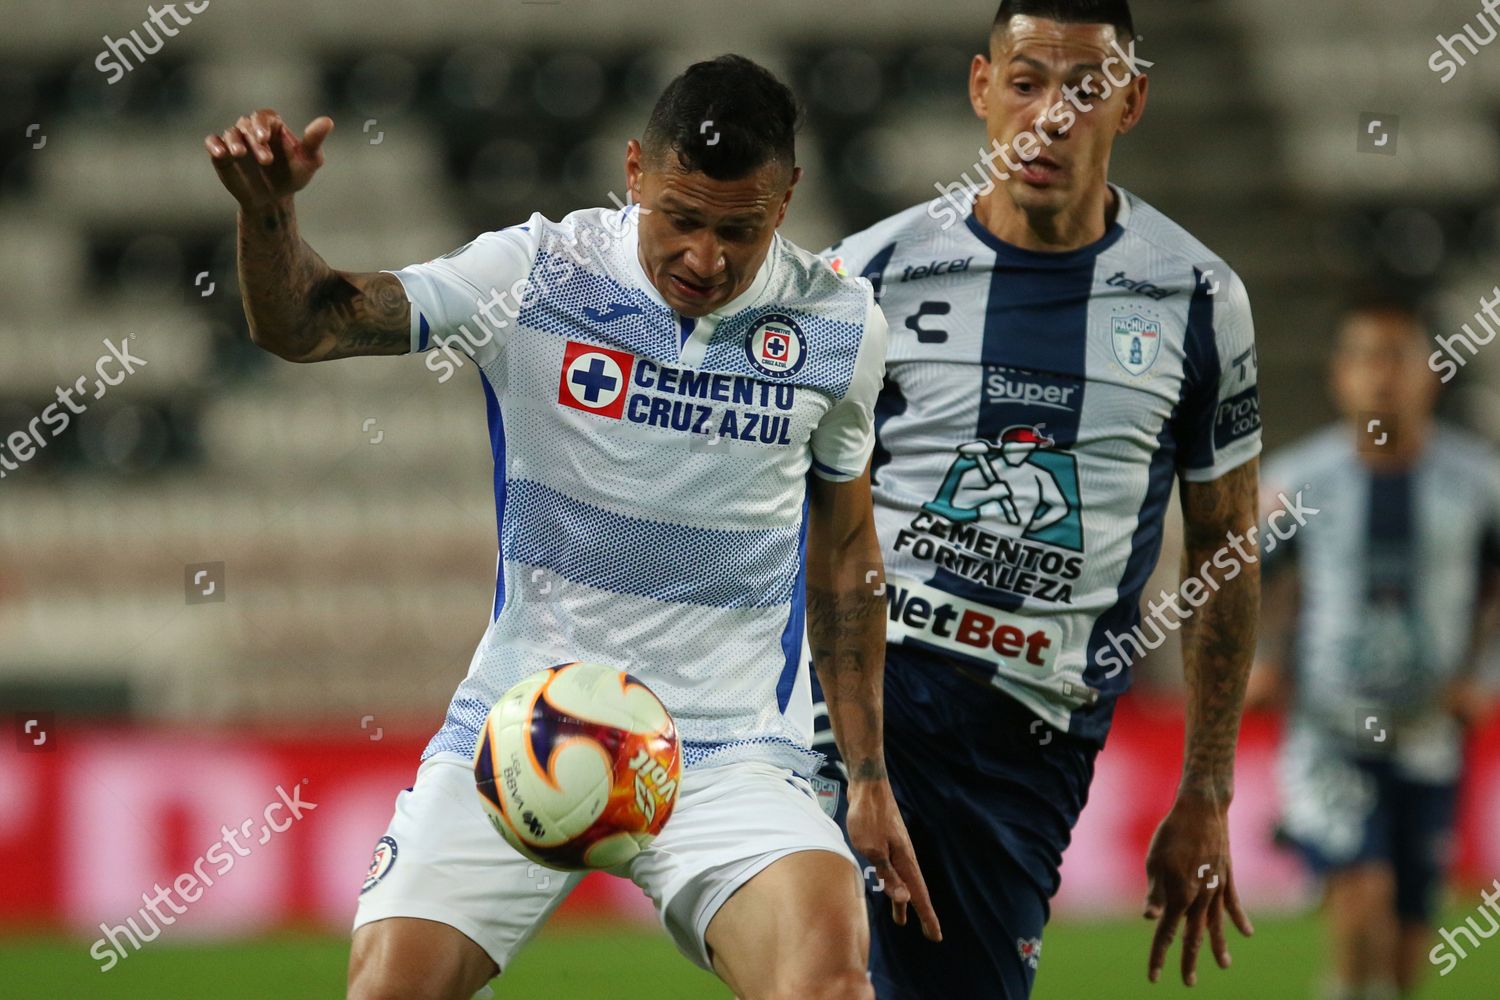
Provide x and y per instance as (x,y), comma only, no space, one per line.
(261,161)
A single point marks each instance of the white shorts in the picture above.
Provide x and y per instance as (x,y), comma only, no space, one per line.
(441,860)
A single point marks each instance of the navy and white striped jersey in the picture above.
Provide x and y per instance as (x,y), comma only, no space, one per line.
(1036,409)
(651,469)
(1389,573)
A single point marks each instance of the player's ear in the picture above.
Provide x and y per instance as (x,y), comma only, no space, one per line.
(634,169)
(1135,103)
(980,71)
(786,199)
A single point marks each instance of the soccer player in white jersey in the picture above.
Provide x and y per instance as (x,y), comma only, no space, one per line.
(1060,353)
(681,408)
(1374,629)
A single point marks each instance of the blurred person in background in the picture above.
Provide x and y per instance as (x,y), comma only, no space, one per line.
(1376,613)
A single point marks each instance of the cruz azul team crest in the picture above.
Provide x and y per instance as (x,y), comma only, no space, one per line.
(776,346)
(380,863)
(1137,341)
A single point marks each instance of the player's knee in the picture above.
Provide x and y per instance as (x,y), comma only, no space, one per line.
(374,978)
(851,984)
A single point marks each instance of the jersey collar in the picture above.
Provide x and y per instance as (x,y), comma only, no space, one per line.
(1009,253)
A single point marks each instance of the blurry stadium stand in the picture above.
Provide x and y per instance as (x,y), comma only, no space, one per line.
(351,503)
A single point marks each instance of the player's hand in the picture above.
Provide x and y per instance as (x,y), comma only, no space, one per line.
(879,835)
(1191,880)
(261,161)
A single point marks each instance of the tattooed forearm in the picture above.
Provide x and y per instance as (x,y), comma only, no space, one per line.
(1218,641)
(846,620)
(303,310)
(845,630)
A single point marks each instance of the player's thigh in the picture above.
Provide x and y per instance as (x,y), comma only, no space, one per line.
(441,876)
(797,929)
(415,959)
(1361,893)
(1424,815)
(993,915)
(733,823)
(990,809)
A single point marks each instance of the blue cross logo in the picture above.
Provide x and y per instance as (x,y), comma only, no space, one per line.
(594,381)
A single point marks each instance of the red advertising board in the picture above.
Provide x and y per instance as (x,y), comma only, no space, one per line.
(97,816)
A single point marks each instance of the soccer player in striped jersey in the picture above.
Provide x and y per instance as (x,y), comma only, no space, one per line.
(1375,614)
(681,408)
(1060,353)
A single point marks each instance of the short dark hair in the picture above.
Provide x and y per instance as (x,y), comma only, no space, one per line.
(726,117)
(1115,13)
(1405,303)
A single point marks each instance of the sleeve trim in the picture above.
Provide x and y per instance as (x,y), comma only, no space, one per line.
(1226,464)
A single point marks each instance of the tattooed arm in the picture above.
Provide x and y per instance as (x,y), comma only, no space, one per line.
(846,632)
(1188,866)
(297,306)
(1218,642)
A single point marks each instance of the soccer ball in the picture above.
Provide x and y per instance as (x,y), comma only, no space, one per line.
(578,767)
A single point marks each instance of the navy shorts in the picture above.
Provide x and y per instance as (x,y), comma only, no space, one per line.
(1373,814)
(990,800)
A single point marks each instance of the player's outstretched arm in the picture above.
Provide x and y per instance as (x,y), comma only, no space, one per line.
(1191,879)
(846,632)
(298,307)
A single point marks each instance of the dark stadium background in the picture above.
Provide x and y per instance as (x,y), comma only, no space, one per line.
(343,513)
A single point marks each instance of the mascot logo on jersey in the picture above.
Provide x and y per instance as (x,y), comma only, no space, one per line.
(1018,481)
(776,346)
(1137,342)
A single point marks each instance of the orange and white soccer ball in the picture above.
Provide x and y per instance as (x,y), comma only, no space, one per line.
(578,766)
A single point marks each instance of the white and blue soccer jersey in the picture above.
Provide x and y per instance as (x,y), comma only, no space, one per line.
(651,469)
(1036,409)
(1390,570)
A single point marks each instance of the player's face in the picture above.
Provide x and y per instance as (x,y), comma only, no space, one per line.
(1022,92)
(702,241)
(1380,367)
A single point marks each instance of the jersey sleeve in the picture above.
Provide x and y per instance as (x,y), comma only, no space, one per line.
(1280,480)
(845,437)
(1218,423)
(861,256)
(468,297)
(1489,544)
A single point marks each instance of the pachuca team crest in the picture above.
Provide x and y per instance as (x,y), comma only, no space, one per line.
(1137,341)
